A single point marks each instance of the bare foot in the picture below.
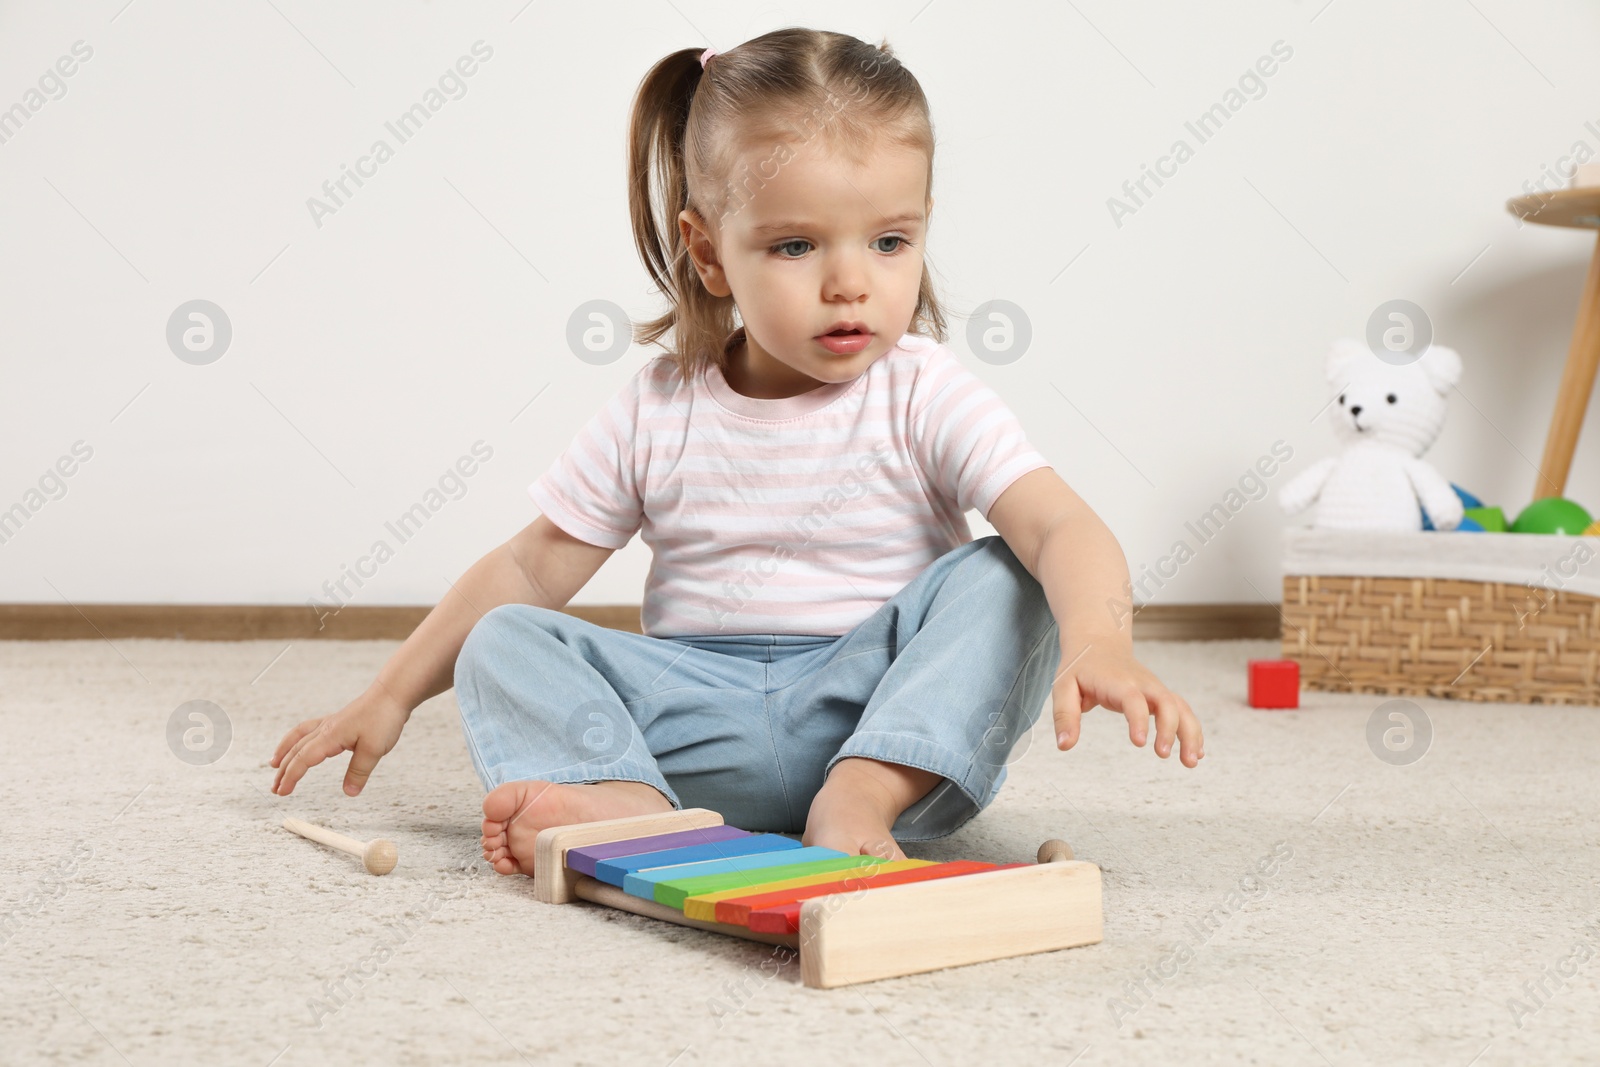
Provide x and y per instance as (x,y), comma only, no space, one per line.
(514,813)
(859,803)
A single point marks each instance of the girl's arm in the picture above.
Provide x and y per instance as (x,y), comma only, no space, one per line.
(1076,559)
(542,565)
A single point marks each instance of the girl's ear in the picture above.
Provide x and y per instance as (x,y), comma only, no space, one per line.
(703,253)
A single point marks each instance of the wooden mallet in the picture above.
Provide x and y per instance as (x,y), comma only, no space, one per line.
(378,855)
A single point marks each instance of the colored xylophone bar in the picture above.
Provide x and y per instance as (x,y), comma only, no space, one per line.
(851,918)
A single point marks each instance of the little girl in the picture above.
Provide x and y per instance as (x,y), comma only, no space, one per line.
(826,650)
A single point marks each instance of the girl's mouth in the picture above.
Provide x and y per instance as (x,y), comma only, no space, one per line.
(845,342)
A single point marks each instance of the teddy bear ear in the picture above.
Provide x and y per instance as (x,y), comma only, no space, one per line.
(1344,355)
(1442,366)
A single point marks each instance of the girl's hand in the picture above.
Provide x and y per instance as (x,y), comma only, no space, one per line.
(1106,675)
(367,727)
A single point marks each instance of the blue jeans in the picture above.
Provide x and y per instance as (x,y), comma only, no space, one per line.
(947,676)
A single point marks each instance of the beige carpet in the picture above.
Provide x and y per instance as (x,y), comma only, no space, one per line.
(155,912)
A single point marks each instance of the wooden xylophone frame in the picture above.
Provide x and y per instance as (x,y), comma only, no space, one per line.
(869,934)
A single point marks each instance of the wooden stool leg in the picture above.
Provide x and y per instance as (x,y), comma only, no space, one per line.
(1577,383)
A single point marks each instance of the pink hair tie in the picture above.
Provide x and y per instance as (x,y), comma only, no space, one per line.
(706,56)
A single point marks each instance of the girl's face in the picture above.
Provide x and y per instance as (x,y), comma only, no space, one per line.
(822,242)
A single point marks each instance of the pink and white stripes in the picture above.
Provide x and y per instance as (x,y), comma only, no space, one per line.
(793,516)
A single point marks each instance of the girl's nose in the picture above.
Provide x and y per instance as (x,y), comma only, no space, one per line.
(846,279)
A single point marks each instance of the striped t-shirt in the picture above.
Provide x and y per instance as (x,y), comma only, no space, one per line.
(800,515)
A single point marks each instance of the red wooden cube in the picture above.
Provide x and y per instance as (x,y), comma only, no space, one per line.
(1274,683)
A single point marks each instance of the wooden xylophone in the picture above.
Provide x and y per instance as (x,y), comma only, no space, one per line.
(851,918)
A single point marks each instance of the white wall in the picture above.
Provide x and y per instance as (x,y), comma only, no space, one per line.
(371,352)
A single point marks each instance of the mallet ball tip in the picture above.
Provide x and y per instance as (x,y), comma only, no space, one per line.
(380,856)
(1054,849)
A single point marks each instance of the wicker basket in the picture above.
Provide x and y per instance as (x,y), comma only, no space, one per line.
(1502,617)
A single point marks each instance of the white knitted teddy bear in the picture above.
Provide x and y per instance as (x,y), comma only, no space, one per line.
(1386,416)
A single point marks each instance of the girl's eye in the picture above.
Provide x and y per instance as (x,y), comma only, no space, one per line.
(778,249)
(1391,398)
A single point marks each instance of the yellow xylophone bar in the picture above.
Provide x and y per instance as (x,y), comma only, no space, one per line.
(868,934)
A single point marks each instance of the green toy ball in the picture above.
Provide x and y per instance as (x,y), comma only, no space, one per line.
(1552,515)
